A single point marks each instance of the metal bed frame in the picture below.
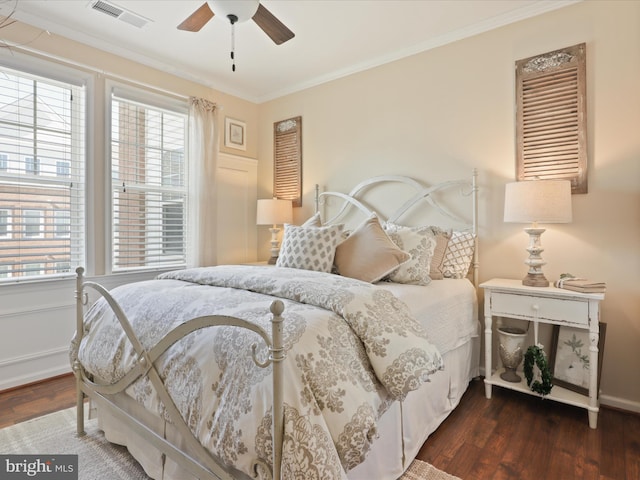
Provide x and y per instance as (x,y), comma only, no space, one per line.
(203,466)
(422,193)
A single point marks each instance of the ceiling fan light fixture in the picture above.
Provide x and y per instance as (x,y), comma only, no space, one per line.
(243,10)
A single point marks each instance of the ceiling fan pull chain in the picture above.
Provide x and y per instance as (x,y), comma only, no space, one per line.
(233,19)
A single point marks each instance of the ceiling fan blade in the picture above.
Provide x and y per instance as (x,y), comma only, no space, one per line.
(273,27)
(197,19)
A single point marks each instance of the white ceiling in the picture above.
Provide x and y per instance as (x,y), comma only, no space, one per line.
(333,38)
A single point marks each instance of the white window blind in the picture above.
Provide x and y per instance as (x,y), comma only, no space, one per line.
(42,128)
(149,184)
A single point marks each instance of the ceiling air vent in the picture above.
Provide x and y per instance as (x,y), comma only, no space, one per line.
(120,13)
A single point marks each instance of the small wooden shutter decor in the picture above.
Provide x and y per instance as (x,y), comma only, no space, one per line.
(551,120)
(287,160)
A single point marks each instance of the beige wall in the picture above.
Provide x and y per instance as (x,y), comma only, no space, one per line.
(438,114)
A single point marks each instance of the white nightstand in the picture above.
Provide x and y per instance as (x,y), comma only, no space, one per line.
(511,299)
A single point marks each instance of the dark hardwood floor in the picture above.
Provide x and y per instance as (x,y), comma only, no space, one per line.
(518,436)
(511,436)
(36,399)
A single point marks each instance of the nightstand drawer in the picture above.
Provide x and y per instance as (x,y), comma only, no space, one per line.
(540,308)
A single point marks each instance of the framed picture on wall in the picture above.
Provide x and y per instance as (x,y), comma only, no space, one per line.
(569,358)
(235,134)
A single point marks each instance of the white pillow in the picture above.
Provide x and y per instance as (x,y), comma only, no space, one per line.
(459,255)
(309,248)
(420,243)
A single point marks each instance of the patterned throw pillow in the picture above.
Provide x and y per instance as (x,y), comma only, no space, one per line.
(442,236)
(459,255)
(309,248)
(420,243)
(368,254)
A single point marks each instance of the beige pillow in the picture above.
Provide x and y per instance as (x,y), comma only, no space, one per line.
(368,253)
(420,243)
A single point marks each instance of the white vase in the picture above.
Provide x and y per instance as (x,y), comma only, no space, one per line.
(511,353)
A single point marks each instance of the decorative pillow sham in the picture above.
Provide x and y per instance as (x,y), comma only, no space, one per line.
(442,236)
(459,255)
(309,248)
(420,243)
(368,253)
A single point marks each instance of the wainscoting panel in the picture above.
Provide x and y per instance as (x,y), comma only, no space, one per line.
(237,198)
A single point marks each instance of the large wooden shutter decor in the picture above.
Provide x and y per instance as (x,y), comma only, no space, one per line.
(551,120)
(287,160)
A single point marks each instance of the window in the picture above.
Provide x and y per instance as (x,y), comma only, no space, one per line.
(33,223)
(32,165)
(32,269)
(149,181)
(62,223)
(63,169)
(4,223)
(42,125)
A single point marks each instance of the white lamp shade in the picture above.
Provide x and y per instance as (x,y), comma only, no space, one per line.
(273,211)
(538,201)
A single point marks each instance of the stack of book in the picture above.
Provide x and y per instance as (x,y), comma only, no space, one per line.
(569,282)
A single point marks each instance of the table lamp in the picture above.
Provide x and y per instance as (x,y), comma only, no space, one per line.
(537,201)
(273,211)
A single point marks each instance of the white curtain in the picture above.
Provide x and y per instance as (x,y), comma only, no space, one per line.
(203,153)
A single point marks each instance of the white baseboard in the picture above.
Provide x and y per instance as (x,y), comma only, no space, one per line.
(620,403)
(34,367)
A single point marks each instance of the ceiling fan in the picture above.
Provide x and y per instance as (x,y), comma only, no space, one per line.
(239,11)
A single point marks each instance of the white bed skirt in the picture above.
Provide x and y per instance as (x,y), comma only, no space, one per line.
(405,424)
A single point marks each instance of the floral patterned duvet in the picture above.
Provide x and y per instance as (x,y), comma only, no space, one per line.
(352,349)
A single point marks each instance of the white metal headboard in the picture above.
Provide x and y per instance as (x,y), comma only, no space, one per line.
(421,193)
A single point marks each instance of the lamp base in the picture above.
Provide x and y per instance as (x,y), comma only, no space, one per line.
(535,280)
(535,277)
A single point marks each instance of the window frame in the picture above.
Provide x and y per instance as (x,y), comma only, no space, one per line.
(55,72)
(153,99)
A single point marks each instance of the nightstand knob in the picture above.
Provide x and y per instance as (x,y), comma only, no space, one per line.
(535,307)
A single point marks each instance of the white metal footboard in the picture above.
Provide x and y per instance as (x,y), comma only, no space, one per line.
(204,466)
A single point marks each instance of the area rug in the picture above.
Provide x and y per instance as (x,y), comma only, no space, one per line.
(99,459)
